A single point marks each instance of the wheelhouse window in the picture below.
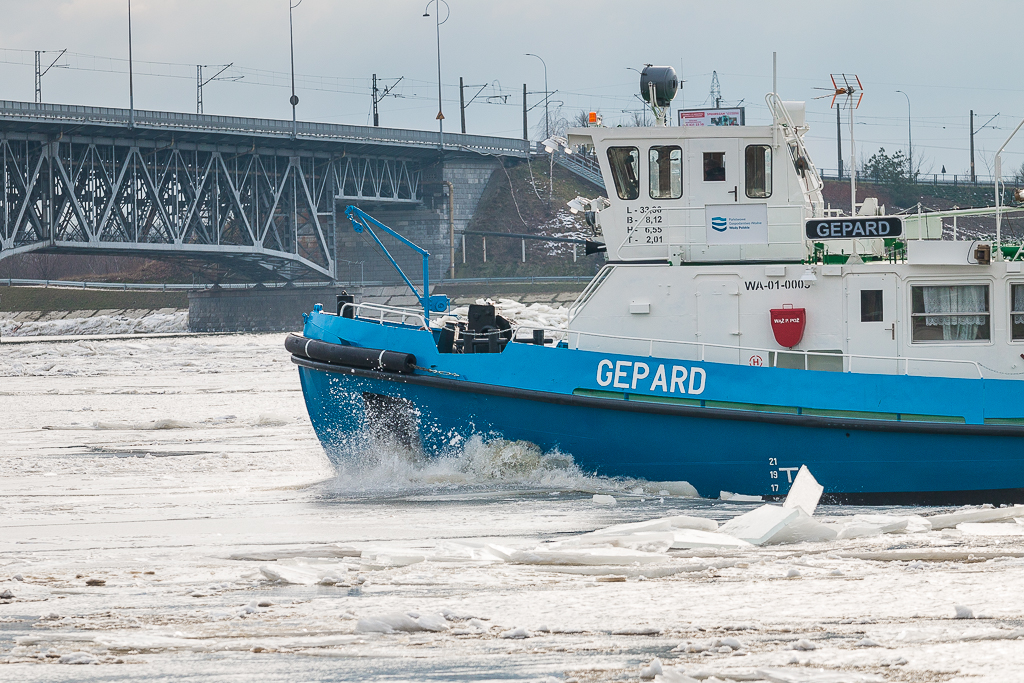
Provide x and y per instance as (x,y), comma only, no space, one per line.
(1017,312)
(625,163)
(714,167)
(758,165)
(950,313)
(666,172)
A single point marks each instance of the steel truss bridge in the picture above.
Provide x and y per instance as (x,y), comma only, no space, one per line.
(250,197)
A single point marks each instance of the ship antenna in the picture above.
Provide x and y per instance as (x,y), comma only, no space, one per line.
(846,93)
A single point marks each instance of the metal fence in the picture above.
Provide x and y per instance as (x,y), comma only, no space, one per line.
(953,179)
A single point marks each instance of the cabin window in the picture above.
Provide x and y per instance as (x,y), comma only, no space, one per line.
(714,167)
(871,305)
(1017,313)
(759,171)
(625,163)
(950,313)
(666,172)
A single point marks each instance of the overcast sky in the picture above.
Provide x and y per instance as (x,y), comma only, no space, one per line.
(948,56)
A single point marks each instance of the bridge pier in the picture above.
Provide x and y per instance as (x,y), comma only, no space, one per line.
(427,224)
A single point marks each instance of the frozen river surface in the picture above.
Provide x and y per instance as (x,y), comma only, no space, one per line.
(167,513)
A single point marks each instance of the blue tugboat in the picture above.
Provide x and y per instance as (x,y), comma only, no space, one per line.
(739,330)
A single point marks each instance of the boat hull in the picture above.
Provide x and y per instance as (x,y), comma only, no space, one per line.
(860,461)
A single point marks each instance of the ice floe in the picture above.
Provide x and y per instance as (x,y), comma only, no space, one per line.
(976,515)
(402,621)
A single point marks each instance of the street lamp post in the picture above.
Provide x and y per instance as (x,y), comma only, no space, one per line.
(294,99)
(547,119)
(131,82)
(437,26)
(910,139)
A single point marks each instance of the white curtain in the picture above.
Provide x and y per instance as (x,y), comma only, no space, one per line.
(959,300)
(1018,304)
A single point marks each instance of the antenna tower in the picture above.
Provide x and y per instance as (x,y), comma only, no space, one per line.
(716,90)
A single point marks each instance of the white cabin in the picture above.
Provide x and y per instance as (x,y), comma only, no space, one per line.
(705,234)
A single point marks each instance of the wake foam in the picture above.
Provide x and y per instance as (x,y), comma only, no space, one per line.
(478,464)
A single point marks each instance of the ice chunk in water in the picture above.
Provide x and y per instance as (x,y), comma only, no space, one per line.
(688,539)
(515,634)
(305,575)
(873,525)
(760,524)
(77,658)
(979,515)
(682,489)
(739,497)
(401,621)
(803,528)
(601,499)
(805,492)
(651,541)
(991,529)
(586,556)
(651,670)
(963,612)
(804,675)
(660,524)
(674,676)
(772,524)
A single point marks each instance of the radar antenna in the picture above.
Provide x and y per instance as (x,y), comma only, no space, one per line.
(846,93)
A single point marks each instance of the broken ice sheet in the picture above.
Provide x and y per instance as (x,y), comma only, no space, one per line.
(760,524)
(304,574)
(977,515)
(805,492)
(402,621)
(586,556)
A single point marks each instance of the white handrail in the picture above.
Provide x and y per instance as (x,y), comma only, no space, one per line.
(381,310)
(703,346)
(567,335)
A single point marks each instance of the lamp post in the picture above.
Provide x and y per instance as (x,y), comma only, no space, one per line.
(547,120)
(294,99)
(131,83)
(437,26)
(910,140)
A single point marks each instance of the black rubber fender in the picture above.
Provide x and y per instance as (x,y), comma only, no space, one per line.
(351,356)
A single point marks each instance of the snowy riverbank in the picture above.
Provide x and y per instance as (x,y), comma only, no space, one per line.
(76,323)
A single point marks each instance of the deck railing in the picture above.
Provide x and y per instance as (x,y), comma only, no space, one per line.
(706,351)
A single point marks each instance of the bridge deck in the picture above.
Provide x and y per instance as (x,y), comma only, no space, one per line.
(92,122)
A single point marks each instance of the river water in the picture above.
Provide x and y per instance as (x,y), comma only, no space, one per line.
(166,512)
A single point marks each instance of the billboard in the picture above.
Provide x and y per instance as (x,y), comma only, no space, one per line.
(712,117)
